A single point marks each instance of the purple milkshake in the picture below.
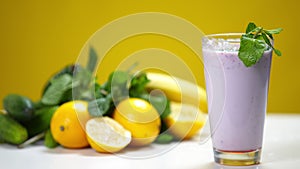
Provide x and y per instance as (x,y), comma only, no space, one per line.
(237,99)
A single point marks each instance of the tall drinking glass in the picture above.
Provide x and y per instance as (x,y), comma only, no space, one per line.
(237,99)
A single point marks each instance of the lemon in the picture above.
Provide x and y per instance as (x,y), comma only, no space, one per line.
(106,135)
(67,124)
(140,118)
(184,120)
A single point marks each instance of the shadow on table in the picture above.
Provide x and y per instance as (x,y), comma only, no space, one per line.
(83,151)
(128,152)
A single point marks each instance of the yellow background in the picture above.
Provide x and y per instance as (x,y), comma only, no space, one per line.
(40,37)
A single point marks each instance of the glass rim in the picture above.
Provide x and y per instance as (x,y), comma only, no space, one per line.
(230,39)
(222,41)
(230,35)
(223,34)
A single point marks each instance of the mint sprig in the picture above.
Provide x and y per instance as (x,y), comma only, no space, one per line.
(255,42)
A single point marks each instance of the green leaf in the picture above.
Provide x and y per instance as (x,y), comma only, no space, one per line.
(99,90)
(164,138)
(274,31)
(55,92)
(67,96)
(92,60)
(101,106)
(267,40)
(69,69)
(138,85)
(118,85)
(251,26)
(118,78)
(82,77)
(249,35)
(253,43)
(49,140)
(82,84)
(161,104)
(164,127)
(269,35)
(256,31)
(260,37)
(251,50)
(277,52)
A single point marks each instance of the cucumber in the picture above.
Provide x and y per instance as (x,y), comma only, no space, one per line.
(41,121)
(18,107)
(11,131)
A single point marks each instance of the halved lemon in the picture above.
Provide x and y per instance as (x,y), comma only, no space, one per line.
(105,135)
(185,120)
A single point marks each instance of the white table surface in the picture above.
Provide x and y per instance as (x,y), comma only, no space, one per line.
(281,150)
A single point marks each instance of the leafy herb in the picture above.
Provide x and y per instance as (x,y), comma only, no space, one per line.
(255,42)
(72,82)
(92,60)
(69,69)
(251,50)
(55,92)
(164,138)
(121,85)
(82,84)
(161,104)
(113,91)
(49,140)
(118,85)
(138,85)
(101,106)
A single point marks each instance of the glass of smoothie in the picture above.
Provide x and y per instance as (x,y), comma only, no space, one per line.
(237,99)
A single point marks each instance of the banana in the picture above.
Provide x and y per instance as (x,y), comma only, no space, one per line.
(179,90)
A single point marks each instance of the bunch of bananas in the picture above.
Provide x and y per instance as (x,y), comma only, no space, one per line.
(178,90)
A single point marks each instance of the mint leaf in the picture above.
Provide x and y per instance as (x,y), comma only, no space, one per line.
(92,60)
(101,106)
(138,85)
(161,103)
(118,85)
(55,92)
(117,79)
(69,69)
(267,40)
(277,52)
(255,42)
(49,140)
(251,50)
(274,31)
(251,26)
(164,138)
(269,35)
(138,89)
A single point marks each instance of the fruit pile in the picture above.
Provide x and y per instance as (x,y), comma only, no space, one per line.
(75,111)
